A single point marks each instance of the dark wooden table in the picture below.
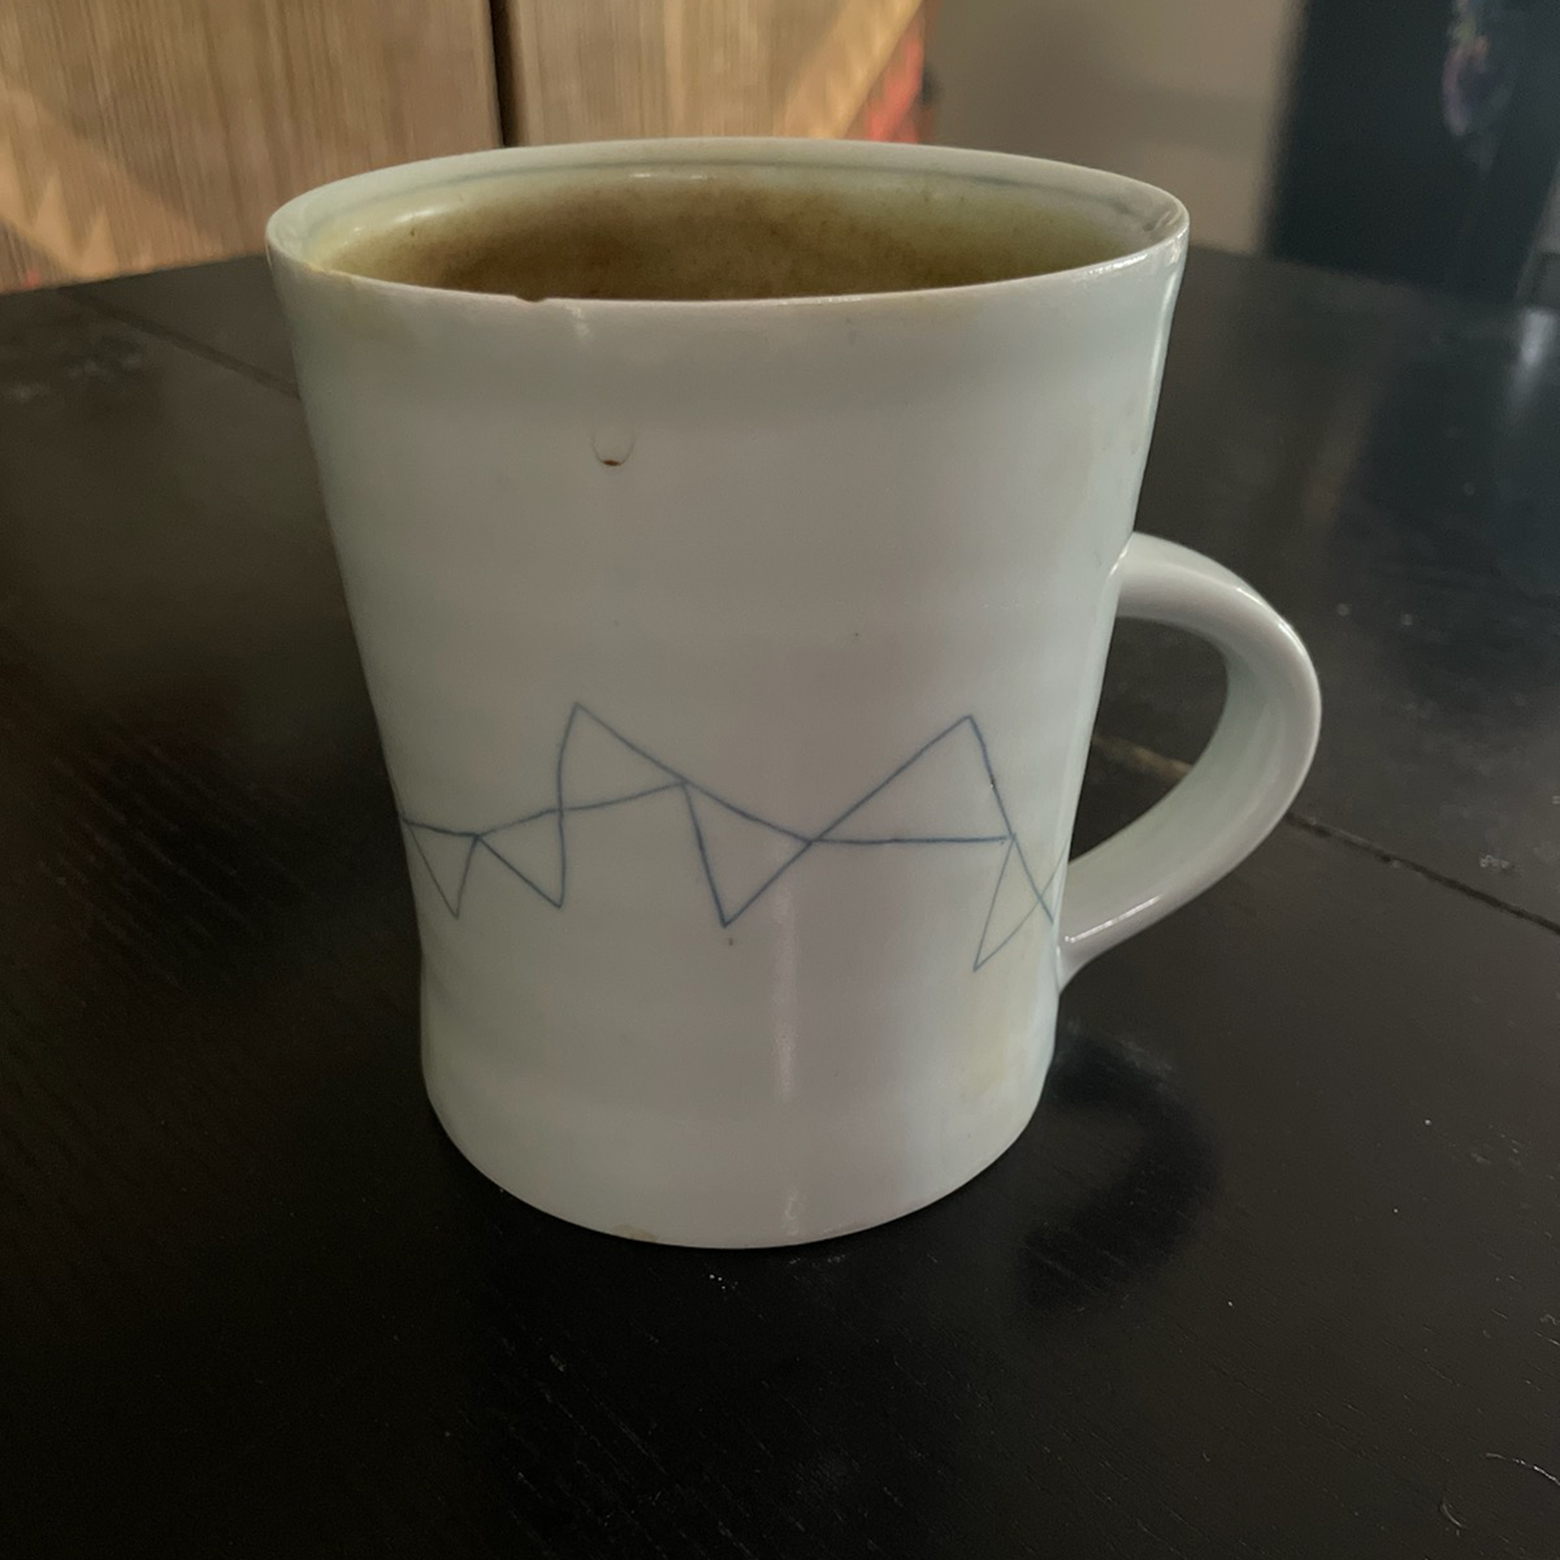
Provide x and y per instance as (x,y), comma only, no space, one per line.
(1274,1272)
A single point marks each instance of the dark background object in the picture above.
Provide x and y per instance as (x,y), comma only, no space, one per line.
(1372,176)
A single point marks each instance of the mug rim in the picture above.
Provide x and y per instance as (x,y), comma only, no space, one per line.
(300,227)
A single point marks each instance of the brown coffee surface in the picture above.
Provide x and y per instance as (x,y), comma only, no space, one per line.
(722,233)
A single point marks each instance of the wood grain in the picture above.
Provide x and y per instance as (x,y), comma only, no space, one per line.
(138,133)
(600,69)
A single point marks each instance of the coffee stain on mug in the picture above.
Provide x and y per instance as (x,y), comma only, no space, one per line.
(633,1232)
(612,444)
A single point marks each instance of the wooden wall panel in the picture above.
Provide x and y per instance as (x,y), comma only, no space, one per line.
(137,133)
(599,69)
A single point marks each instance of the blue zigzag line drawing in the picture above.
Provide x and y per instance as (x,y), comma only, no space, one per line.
(996,931)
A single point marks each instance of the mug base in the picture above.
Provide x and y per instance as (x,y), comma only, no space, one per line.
(718,1222)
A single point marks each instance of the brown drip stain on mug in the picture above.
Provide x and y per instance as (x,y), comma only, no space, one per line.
(689,234)
(612,446)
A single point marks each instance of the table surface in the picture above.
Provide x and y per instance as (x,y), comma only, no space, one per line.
(1273,1272)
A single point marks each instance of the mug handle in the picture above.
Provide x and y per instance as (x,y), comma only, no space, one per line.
(1239,789)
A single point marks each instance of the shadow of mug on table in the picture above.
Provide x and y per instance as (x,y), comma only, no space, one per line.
(756,1390)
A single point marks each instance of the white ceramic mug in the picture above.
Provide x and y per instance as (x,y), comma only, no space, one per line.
(735,664)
